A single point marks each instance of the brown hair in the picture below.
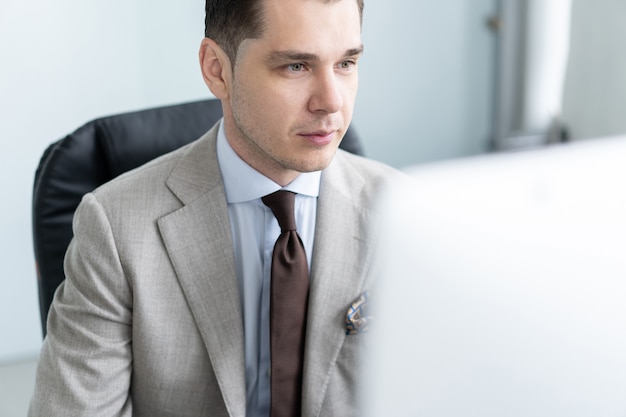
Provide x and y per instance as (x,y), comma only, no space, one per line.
(229,22)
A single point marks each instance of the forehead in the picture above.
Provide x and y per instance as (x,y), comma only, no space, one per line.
(311,25)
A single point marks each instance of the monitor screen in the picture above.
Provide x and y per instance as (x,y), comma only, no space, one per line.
(502,287)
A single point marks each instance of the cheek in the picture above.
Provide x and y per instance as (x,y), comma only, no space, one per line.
(351,88)
(291,98)
(284,108)
(250,104)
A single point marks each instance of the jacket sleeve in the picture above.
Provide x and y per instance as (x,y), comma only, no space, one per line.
(86,360)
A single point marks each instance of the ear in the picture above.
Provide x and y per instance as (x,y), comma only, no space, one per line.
(216,68)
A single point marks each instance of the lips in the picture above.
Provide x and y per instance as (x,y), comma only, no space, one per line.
(320,137)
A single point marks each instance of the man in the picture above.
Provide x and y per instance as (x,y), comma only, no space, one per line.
(165,308)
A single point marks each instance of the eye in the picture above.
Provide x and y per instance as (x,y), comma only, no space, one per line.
(347,64)
(296,67)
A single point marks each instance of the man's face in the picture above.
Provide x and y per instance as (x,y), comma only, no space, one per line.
(292,92)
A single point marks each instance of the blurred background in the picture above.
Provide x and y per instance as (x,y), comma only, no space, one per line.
(440,79)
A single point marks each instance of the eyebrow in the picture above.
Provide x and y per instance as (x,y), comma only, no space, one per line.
(293,55)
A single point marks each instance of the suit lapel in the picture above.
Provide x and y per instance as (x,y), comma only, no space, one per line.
(341,259)
(198,240)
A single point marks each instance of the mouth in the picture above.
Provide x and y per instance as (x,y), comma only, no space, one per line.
(319,137)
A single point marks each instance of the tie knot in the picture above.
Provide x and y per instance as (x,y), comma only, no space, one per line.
(281,203)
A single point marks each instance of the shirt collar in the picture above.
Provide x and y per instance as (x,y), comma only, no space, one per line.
(244,183)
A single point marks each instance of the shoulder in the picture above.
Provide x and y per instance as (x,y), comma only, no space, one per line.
(365,165)
(146,193)
(354,172)
(151,179)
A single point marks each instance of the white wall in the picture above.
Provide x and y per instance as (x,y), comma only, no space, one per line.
(425,95)
(64,63)
(594,99)
(427,79)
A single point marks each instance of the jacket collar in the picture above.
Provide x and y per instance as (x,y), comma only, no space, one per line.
(198,239)
(341,261)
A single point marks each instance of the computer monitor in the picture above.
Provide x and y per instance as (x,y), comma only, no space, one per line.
(502,287)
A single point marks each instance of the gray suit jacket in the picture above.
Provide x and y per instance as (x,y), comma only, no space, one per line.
(148,321)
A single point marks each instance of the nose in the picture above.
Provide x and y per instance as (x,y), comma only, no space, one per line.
(326,96)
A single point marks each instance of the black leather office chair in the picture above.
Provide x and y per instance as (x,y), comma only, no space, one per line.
(96,153)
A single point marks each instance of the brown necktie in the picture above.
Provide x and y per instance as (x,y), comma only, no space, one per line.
(288,307)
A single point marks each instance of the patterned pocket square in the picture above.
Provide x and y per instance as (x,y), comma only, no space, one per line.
(357,320)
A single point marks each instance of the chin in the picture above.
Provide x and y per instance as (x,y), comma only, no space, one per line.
(317,164)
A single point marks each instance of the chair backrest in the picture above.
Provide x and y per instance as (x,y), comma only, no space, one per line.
(96,153)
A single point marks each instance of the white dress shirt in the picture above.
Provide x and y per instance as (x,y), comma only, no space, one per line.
(255,230)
